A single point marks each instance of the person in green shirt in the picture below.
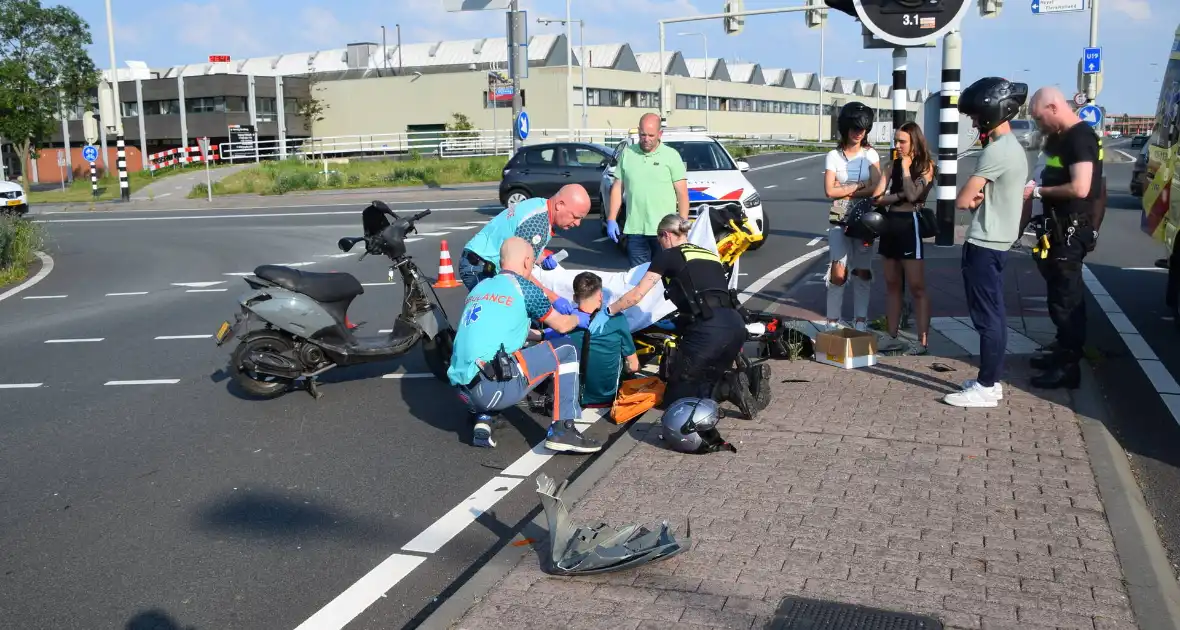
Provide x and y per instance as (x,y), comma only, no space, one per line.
(651,176)
(611,350)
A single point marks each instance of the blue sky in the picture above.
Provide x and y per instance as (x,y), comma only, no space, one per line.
(1040,50)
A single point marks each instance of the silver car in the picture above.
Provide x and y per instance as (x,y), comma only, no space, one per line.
(1027,133)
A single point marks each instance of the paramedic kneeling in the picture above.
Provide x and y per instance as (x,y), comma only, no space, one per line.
(694,281)
(491,368)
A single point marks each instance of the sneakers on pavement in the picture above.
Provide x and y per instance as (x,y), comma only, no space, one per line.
(916,349)
(482,435)
(975,395)
(564,437)
(836,325)
(861,326)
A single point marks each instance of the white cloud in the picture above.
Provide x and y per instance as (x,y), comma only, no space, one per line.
(1139,10)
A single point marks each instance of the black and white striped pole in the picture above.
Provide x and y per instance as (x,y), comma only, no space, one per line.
(948,137)
(900,94)
(117,113)
(121,159)
(93,181)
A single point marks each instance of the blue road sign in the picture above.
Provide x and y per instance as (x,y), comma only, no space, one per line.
(1091,115)
(90,153)
(1092,60)
(522,126)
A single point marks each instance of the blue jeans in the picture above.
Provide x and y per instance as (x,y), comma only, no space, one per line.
(469,274)
(557,359)
(983,281)
(641,249)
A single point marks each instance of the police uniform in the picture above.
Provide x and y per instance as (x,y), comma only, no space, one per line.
(1069,230)
(713,332)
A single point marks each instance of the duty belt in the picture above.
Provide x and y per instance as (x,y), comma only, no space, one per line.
(478,260)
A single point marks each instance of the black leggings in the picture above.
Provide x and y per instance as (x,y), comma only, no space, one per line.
(707,348)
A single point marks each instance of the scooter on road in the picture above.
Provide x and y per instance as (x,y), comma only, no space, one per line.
(305,329)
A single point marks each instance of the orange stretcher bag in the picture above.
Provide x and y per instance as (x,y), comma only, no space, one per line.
(635,397)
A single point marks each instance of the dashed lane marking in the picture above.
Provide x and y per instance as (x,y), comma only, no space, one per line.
(44,297)
(198,285)
(206,290)
(376,284)
(815,241)
(409,375)
(80,340)
(771,186)
(799,179)
(20,385)
(156,381)
(171,337)
(126,293)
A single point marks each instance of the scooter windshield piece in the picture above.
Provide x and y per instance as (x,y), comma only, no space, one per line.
(586,550)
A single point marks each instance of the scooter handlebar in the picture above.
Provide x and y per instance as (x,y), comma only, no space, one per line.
(420,215)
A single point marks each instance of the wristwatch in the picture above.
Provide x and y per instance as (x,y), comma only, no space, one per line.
(1036,192)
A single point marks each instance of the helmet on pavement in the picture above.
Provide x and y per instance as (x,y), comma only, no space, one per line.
(689,425)
(992,101)
(855,115)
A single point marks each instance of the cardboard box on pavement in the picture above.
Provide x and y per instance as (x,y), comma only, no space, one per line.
(846,348)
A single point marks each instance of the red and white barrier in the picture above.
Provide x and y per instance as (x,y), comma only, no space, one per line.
(182,155)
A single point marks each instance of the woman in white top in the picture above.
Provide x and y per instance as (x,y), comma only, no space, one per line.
(851,174)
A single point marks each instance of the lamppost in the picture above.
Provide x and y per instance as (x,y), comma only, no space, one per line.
(708,99)
(120,142)
(581,56)
(877,91)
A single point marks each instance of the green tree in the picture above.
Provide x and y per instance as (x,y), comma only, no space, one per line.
(461,127)
(312,109)
(43,68)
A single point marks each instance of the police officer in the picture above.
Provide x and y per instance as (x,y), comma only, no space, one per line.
(492,369)
(714,330)
(1070,192)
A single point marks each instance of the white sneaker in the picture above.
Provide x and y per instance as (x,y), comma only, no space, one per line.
(975,396)
(997,388)
(861,326)
(890,344)
(837,325)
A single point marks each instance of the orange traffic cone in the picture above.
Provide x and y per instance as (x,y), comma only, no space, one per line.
(446,272)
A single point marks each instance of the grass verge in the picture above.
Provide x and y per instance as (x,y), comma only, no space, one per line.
(108,187)
(19,239)
(277,178)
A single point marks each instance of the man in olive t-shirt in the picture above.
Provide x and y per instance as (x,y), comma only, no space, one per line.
(651,176)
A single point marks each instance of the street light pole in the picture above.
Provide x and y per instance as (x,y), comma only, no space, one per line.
(581,64)
(569,72)
(1092,79)
(120,142)
(819,133)
(708,100)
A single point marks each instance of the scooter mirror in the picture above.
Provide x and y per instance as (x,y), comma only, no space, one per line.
(345,244)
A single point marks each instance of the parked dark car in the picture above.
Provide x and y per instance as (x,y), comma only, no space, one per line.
(540,170)
(1139,174)
(1139,140)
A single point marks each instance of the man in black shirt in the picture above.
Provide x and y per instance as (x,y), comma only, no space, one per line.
(1071,193)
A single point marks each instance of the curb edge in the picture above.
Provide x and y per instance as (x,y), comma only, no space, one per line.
(46,268)
(1151,585)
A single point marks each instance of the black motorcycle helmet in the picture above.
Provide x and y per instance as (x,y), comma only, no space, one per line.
(992,101)
(855,115)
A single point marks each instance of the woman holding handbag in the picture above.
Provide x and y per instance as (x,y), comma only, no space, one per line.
(851,175)
(907,222)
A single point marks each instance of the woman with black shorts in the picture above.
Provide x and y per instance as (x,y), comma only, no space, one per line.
(901,246)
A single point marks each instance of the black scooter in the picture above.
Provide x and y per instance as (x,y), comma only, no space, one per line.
(304,315)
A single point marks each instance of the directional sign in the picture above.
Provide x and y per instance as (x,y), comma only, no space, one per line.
(1091,115)
(1092,60)
(522,126)
(1043,7)
(90,153)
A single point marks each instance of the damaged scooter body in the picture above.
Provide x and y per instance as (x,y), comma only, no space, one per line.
(587,550)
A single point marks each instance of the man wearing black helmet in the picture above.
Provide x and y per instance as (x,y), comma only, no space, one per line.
(995,196)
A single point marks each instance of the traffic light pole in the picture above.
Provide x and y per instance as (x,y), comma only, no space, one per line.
(664,109)
(948,137)
(517,46)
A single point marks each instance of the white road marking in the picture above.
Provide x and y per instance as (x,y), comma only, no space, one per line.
(815,241)
(168,337)
(44,297)
(353,601)
(376,284)
(239,273)
(163,195)
(46,267)
(799,179)
(771,186)
(431,233)
(385,330)
(1155,269)
(776,164)
(127,293)
(411,240)
(20,385)
(298,264)
(79,340)
(462,515)
(1125,154)
(1155,371)
(158,381)
(198,285)
(242,216)
(409,375)
(600,240)
(346,255)
(465,227)
(206,290)
(758,284)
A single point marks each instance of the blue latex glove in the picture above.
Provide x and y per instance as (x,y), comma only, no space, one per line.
(666,324)
(549,264)
(599,322)
(563,306)
(612,230)
(549,334)
(583,319)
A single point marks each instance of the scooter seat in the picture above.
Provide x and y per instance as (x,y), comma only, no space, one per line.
(322,287)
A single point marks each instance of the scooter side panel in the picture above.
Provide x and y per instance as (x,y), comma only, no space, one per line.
(293,312)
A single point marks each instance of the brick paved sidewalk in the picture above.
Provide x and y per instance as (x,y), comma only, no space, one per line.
(856,486)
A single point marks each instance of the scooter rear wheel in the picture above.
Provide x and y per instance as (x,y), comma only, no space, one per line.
(260,385)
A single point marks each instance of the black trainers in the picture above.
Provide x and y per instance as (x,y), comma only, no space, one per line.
(564,437)
(481,436)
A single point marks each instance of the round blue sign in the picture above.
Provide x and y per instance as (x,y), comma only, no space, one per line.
(90,153)
(1091,115)
(522,126)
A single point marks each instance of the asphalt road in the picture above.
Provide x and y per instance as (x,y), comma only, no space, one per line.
(137,480)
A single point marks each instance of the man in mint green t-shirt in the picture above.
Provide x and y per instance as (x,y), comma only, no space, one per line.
(651,176)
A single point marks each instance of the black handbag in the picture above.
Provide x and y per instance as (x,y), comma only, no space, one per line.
(927,223)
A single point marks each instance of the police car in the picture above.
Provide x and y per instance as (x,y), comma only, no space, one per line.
(12,198)
(714,177)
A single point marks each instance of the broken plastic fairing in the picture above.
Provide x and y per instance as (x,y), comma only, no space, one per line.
(576,550)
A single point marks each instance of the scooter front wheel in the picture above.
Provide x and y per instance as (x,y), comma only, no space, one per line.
(255,384)
(438,353)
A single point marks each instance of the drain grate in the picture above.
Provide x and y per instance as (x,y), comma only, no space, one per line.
(797,613)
